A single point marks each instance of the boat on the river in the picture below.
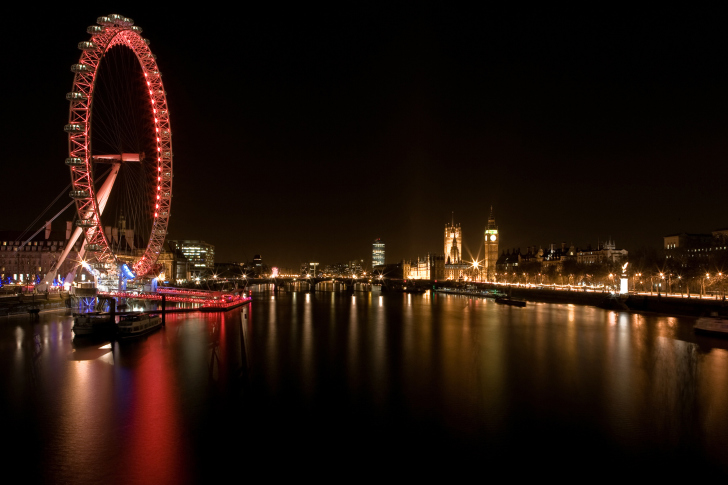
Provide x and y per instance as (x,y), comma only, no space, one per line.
(93,323)
(712,325)
(137,324)
(507,300)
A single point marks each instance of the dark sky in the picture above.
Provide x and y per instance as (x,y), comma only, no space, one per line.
(304,134)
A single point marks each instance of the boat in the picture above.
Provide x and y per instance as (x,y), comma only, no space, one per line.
(94,323)
(712,325)
(506,300)
(137,324)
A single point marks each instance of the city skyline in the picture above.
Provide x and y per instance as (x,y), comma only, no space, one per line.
(573,126)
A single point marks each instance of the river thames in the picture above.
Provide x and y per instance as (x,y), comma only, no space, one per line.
(342,386)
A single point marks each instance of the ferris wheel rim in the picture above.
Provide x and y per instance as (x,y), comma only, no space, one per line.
(111,31)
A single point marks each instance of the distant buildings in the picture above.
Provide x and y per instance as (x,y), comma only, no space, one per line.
(553,259)
(310,269)
(40,255)
(606,253)
(690,248)
(378,253)
(201,255)
(257,265)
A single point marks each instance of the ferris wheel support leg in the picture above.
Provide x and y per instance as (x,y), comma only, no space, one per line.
(105,190)
(103,198)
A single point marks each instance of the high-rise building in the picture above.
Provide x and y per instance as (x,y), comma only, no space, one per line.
(453,243)
(200,255)
(378,253)
(257,265)
(492,238)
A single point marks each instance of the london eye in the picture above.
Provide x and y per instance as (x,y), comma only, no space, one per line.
(119,151)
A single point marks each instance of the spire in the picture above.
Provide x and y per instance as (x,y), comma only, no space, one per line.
(491,219)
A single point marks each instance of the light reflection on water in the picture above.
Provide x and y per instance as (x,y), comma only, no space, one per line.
(443,374)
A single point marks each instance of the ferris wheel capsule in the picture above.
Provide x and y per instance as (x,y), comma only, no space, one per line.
(81,68)
(86,45)
(106,21)
(95,29)
(74,128)
(74,96)
(78,194)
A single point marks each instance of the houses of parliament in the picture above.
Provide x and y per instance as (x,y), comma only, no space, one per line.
(451,265)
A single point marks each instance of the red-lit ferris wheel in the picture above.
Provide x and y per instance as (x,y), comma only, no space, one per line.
(119,138)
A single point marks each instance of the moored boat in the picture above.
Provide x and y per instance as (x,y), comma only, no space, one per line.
(508,301)
(95,323)
(137,324)
(712,325)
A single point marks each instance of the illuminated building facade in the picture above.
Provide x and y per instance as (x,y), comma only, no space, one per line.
(431,267)
(173,265)
(458,271)
(310,269)
(606,253)
(201,255)
(455,268)
(492,239)
(378,253)
(696,247)
(33,261)
(453,243)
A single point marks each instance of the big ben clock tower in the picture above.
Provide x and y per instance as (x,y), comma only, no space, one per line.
(492,239)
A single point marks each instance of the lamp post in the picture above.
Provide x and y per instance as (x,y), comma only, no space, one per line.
(721,290)
(659,283)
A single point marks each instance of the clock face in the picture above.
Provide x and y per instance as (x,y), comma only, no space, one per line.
(492,237)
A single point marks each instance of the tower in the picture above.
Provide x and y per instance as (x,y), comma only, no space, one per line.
(377,253)
(453,243)
(491,247)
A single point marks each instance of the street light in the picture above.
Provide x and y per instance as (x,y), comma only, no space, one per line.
(662,277)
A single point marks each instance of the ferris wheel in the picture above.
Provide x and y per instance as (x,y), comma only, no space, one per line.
(119,138)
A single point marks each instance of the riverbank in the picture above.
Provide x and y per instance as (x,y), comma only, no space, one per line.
(693,306)
(23,303)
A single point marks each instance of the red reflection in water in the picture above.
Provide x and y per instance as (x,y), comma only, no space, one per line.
(154,451)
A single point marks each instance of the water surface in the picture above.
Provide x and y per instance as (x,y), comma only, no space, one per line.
(328,383)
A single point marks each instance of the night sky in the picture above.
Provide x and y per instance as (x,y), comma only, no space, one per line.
(303,134)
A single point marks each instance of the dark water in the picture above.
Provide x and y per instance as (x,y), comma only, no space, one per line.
(342,387)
